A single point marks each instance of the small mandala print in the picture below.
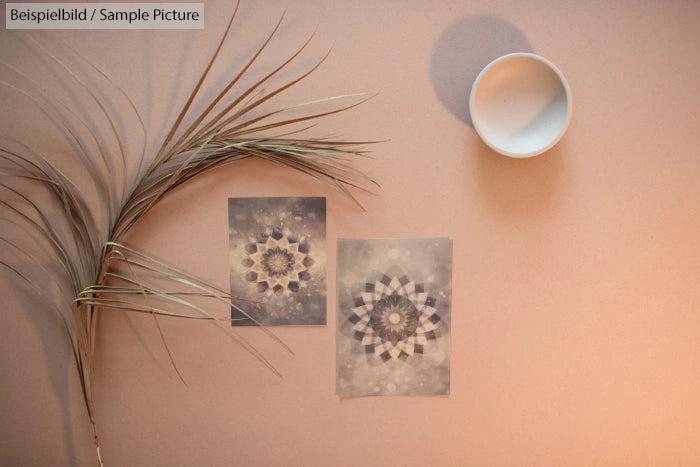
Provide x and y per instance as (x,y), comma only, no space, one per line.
(394,298)
(278,260)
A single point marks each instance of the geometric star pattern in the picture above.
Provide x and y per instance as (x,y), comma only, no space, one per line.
(394,318)
(277,262)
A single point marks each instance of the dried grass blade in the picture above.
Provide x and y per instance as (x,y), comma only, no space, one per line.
(64,323)
(102,184)
(227,330)
(190,100)
(119,255)
(183,141)
(218,122)
(127,305)
(107,162)
(74,210)
(234,132)
(210,291)
(46,231)
(136,112)
(218,129)
(70,111)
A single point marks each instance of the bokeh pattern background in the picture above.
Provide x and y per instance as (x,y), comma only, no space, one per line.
(426,262)
(300,220)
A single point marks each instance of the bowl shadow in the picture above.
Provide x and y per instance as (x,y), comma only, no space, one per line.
(463,50)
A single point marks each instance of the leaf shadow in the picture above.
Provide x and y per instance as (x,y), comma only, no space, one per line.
(55,357)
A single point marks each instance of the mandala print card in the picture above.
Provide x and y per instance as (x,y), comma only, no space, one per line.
(277,251)
(394,302)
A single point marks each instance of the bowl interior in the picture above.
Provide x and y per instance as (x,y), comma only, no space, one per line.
(520,105)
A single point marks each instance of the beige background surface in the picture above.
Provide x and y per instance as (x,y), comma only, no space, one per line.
(576,303)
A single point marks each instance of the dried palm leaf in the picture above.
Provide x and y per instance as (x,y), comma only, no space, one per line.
(89,249)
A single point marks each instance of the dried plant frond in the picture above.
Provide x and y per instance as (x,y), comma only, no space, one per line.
(88,246)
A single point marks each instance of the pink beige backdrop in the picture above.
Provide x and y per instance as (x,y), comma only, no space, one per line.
(576,280)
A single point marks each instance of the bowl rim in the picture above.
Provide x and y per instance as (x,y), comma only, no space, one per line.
(560,76)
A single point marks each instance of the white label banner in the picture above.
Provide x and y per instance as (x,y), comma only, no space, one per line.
(104,15)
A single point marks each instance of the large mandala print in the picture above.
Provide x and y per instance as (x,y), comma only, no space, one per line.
(277,262)
(394,318)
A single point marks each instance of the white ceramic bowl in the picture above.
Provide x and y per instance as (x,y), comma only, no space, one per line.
(520,105)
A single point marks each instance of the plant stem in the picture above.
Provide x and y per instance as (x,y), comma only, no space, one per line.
(97,444)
